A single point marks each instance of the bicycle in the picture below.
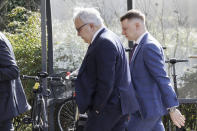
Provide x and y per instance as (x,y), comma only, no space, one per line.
(173,61)
(69,118)
(38,118)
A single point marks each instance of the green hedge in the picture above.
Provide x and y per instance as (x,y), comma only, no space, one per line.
(190,112)
(24,34)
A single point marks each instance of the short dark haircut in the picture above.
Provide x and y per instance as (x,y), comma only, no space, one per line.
(131,14)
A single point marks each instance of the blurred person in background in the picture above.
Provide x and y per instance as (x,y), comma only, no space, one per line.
(12,97)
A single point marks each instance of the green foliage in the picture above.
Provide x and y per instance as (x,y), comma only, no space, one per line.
(28,4)
(190,113)
(19,125)
(188,86)
(17,19)
(6,6)
(14,3)
(18,14)
(26,43)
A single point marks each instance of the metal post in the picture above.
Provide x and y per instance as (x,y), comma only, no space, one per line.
(51,108)
(43,35)
(50,38)
(44,49)
(174,79)
(130,5)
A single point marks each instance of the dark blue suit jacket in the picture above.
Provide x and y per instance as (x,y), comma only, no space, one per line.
(104,80)
(153,89)
(12,97)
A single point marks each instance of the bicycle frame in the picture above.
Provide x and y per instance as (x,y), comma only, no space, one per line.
(173,61)
(38,117)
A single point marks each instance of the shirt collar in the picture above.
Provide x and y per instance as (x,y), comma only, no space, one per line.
(140,38)
(96,33)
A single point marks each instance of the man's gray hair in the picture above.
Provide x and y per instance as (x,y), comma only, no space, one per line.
(88,15)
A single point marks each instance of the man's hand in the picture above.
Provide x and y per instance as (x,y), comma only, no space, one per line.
(177,118)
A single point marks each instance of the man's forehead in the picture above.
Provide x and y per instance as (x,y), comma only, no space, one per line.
(124,22)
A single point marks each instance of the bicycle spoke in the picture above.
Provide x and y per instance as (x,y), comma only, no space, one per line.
(66,115)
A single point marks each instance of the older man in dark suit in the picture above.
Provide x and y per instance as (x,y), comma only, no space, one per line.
(103,86)
(12,97)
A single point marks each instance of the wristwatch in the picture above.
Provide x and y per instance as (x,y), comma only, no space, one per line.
(172,109)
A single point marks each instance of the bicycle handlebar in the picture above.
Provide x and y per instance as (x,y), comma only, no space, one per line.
(37,78)
(174,60)
(54,78)
(70,77)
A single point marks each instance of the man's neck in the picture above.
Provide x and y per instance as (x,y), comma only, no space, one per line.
(95,33)
(140,36)
(140,33)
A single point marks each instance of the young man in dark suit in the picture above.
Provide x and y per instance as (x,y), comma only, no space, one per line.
(151,83)
(12,97)
(103,86)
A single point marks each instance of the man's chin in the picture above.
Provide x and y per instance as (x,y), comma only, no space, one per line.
(128,38)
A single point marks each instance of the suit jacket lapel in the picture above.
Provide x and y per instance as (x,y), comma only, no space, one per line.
(90,49)
(137,51)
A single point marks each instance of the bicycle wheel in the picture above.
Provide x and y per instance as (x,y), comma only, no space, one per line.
(67,115)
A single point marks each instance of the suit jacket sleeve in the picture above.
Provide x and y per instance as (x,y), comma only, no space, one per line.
(105,60)
(154,61)
(8,67)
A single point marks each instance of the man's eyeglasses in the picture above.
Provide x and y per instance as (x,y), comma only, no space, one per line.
(79,29)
